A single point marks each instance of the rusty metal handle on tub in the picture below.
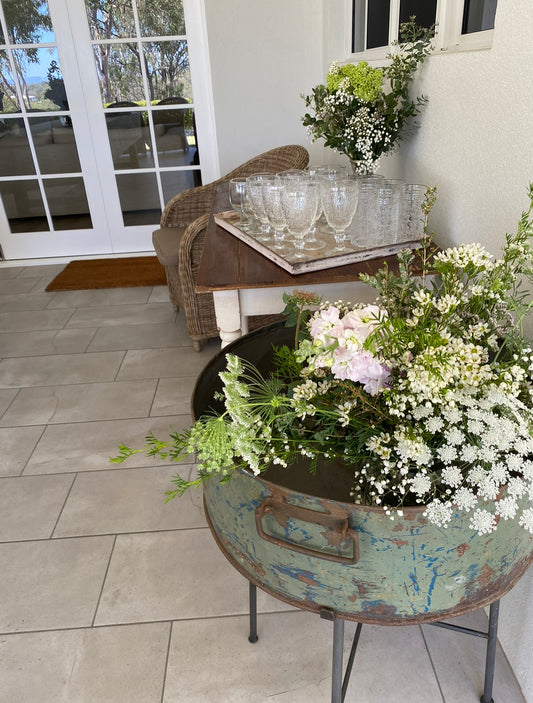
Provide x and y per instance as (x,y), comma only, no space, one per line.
(336,528)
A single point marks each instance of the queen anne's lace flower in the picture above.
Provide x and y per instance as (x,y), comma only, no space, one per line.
(526,519)
(483,522)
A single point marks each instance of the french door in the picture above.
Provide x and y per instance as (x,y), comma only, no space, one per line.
(100,123)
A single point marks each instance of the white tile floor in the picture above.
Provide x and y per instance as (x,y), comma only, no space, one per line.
(109,595)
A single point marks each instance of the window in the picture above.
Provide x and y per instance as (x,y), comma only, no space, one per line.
(478,15)
(461,24)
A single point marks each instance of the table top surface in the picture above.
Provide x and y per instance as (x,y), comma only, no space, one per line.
(227,263)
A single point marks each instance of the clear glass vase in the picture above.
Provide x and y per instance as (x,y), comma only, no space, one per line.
(363,168)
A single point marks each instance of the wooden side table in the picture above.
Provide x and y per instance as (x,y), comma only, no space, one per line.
(244,282)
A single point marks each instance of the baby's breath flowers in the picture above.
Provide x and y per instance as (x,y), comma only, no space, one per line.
(355,114)
(426,395)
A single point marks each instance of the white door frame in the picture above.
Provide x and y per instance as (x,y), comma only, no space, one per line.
(109,236)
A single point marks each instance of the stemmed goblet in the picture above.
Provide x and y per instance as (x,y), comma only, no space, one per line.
(254,187)
(298,175)
(272,196)
(328,174)
(300,203)
(339,202)
(311,241)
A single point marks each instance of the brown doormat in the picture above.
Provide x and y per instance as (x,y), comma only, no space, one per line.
(110,273)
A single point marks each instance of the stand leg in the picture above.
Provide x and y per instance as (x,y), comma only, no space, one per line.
(253,613)
(336,672)
(491,652)
(351,658)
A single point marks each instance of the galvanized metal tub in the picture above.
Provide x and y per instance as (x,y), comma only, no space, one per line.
(299,538)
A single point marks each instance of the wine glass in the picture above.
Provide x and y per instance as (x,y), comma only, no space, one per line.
(254,187)
(328,174)
(236,195)
(300,205)
(311,241)
(272,196)
(339,201)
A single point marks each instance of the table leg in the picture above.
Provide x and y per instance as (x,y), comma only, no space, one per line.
(228,314)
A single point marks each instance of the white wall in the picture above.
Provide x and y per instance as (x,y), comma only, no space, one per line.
(475,140)
(475,143)
(263,56)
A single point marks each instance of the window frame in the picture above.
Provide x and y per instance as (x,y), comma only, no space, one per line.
(448,35)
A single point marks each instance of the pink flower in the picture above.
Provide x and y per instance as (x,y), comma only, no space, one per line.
(363,321)
(327,322)
(361,367)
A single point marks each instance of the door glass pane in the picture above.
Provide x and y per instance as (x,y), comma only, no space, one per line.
(377,25)
(55,145)
(119,72)
(174,182)
(479,15)
(175,136)
(129,137)
(110,20)
(139,198)
(68,203)
(24,207)
(28,21)
(54,94)
(161,18)
(40,79)
(15,154)
(167,65)
(424,11)
(8,96)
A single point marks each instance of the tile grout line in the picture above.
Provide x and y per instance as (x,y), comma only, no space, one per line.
(80,422)
(10,404)
(30,540)
(91,340)
(99,534)
(152,403)
(63,506)
(165,673)
(69,318)
(44,426)
(52,296)
(103,582)
(83,383)
(120,365)
(432,664)
(140,623)
(111,467)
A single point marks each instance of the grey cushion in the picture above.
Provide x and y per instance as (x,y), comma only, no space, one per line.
(166,243)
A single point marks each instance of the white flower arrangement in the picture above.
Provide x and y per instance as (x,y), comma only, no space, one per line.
(363,111)
(427,395)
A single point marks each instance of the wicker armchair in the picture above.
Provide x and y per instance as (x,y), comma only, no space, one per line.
(179,241)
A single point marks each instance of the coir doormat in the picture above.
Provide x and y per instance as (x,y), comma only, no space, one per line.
(110,273)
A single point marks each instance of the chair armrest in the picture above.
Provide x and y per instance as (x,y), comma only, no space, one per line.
(190,253)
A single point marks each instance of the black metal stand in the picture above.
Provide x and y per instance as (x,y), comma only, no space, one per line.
(253,614)
(340,680)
